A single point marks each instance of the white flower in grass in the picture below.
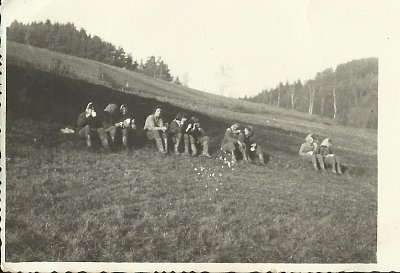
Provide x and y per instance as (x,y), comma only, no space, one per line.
(195,169)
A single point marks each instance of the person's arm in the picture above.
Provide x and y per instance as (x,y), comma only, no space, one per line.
(174,127)
(83,119)
(228,136)
(302,150)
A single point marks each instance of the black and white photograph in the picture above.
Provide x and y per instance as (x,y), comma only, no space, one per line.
(191,133)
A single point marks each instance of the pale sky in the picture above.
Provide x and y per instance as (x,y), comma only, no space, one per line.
(258,43)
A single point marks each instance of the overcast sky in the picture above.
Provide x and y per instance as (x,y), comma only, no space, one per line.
(228,47)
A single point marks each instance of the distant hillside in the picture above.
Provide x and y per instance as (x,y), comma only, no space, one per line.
(34,60)
(348,94)
(65,38)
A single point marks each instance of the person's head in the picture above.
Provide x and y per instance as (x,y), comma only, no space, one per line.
(184,117)
(248,130)
(195,121)
(111,108)
(178,116)
(90,106)
(235,127)
(309,138)
(157,111)
(327,142)
(123,109)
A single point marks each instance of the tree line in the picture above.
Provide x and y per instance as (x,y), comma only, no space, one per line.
(348,94)
(66,38)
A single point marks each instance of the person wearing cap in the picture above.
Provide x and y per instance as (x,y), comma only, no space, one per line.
(177,130)
(197,137)
(232,142)
(329,158)
(89,123)
(109,119)
(251,146)
(126,123)
(309,151)
(156,129)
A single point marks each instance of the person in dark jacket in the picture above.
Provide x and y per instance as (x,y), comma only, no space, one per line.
(126,123)
(309,151)
(329,158)
(232,142)
(251,146)
(177,131)
(90,123)
(156,129)
(197,137)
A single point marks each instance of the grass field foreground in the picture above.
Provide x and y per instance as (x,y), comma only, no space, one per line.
(68,204)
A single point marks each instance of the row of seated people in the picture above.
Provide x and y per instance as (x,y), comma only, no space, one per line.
(187,133)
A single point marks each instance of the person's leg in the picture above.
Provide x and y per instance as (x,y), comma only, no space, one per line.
(125,133)
(204,141)
(193,145)
(330,160)
(320,161)
(103,137)
(338,164)
(243,151)
(165,138)
(153,134)
(85,134)
(313,159)
(187,142)
(260,154)
(177,141)
(230,147)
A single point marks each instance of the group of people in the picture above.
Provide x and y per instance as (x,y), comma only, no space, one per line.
(321,156)
(188,136)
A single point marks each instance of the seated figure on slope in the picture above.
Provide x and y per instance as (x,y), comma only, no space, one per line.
(156,129)
(197,137)
(308,150)
(329,158)
(109,120)
(125,123)
(251,146)
(231,142)
(89,124)
(178,132)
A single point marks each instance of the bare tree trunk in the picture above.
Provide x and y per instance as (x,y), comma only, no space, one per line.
(292,97)
(279,96)
(322,105)
(311,92)
(334,103)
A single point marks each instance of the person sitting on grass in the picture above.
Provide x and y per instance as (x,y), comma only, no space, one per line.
(109,119)
(156,129)
(231,142)
(177,130)
(252,148)
(329,158)
(197,137)
(126,123)
(89,123)
(308,150)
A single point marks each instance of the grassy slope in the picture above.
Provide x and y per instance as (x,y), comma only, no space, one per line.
(81,206)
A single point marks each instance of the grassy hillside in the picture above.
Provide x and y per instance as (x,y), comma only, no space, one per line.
(93,206)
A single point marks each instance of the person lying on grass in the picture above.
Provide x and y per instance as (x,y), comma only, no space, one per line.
(309,151)
(109,119)
(197,137)
(329,158)
(156,129)
(126,123)
(89,123)
(252,149)
(178,132)
(231,142)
